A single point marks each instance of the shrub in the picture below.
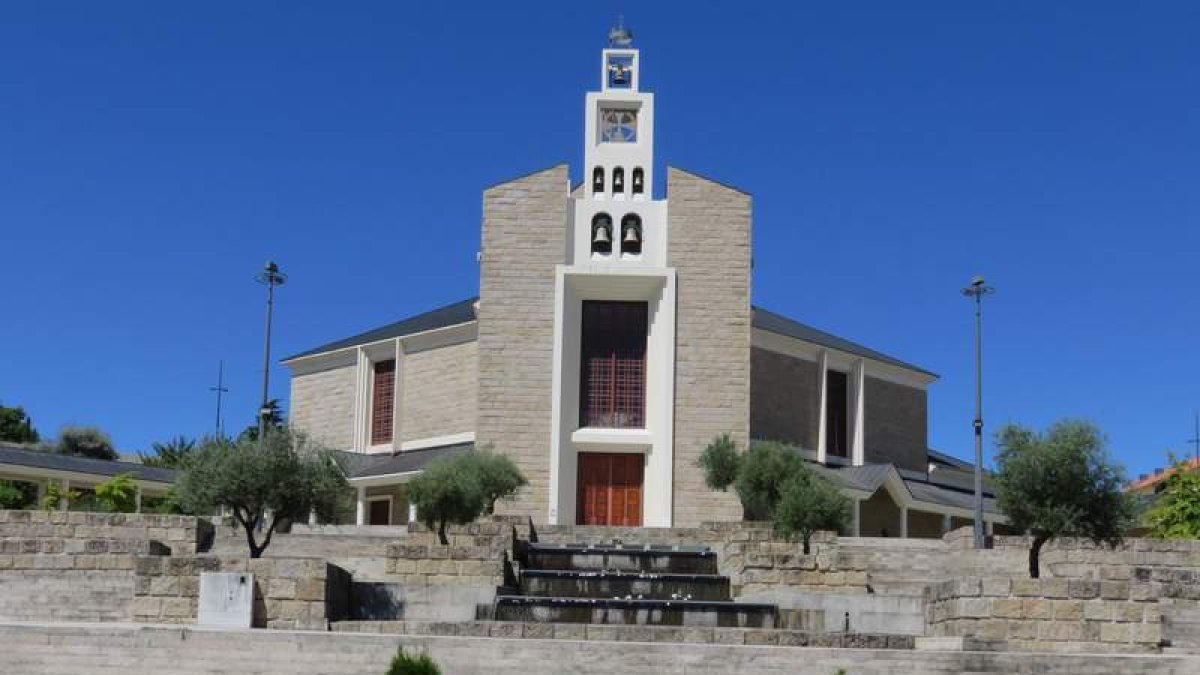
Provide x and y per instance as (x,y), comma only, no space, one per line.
(55,496)
(283,480)
(85,442)
(118,494)
(421,664)
(720,462)
(171,454)
(808,504)
(1060,484)
(17,494)
(1176,512)
(761,474)
(457,490)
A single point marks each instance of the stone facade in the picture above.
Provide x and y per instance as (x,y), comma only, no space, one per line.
(1048,614)
(895,425)
(440,388)
(785,402)
(322,403)
(709,247)
(288,592)
(524,237)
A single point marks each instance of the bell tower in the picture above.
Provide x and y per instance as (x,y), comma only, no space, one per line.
(618,221)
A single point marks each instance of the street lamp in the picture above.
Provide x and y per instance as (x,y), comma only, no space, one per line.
(270,277)
(977,290)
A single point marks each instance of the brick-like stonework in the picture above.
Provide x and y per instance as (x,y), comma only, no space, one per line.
(323,402)
(78,532)
(785,398)
(524,237)
(1048,614)
(288,592)
(440,391)
(708,228)
(895,420)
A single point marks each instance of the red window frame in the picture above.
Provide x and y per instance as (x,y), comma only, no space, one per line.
(612,381)
(383,401)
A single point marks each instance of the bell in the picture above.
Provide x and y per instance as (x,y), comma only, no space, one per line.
(632,236)
(637,181)
(601,236)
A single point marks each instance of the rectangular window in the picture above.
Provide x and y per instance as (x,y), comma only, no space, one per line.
(383,397)
(837,418)
(612,387)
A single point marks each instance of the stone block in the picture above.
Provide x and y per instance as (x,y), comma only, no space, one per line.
(1068,610)
(1055,588)
(1115,632)
(996,586)
(1084,589)
(1097,610)
(1027,588)
(1114,590)
(281,589)
(1060,631)
(1037,609)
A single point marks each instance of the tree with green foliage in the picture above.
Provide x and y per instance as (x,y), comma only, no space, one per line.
(17,494)
(1061,483)
(775,483)
(420,664)
(457,490)
(275,420)
(1175,513)
(55,496)
(170,454)
(808,503)
(118,494)
(15,426)
(85,442)
(284,480)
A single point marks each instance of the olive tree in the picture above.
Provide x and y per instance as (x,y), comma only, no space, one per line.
(285,479)
(1060,483)
(85,442)
(457,490)
(775,483)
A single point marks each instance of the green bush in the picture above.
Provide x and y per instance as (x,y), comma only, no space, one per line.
(457,490)
(1175,514)
(421,664)
(85,442)
(118,494)
(775,483)
(55,496)
(17,494)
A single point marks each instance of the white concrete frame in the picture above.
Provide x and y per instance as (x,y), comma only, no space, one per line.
(381,498)
(656,287)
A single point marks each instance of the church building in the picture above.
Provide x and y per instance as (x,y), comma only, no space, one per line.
(612,339)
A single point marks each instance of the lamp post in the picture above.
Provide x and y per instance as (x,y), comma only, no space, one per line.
(270,277)
(977,290)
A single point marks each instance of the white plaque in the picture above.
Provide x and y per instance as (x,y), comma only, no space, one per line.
(226,599)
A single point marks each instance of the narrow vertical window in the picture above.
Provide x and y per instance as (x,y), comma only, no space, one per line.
(613,378)
(631,235)
(618,180)
(598,180)
(837,418)
(383,397)
(639,181)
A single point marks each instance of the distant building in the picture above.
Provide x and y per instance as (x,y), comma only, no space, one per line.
(613,338)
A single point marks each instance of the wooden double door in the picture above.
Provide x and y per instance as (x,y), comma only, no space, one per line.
(609,489)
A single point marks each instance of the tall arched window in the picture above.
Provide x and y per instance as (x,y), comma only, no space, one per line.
(598,180)
(602,234)
(639,181)
(618,180)
(631,235)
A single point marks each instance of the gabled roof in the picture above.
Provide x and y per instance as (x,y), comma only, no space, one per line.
(870,477)
(360,465)
(777,323)
(442,317)
(464,312)
(16,455)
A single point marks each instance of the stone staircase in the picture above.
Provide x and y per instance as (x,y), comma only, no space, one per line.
(625,585)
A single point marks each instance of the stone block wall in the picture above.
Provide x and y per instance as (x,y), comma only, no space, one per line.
(785,398)
(440,391)
(289,593)
(896,424)
(1048,614)
(524,237)
(322,399)
(1139,559)
(80,532)
(709,246)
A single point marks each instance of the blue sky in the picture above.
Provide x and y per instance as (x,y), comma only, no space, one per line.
(153,156)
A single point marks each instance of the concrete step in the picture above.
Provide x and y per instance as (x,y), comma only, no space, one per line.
(633,611)
(618,584)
